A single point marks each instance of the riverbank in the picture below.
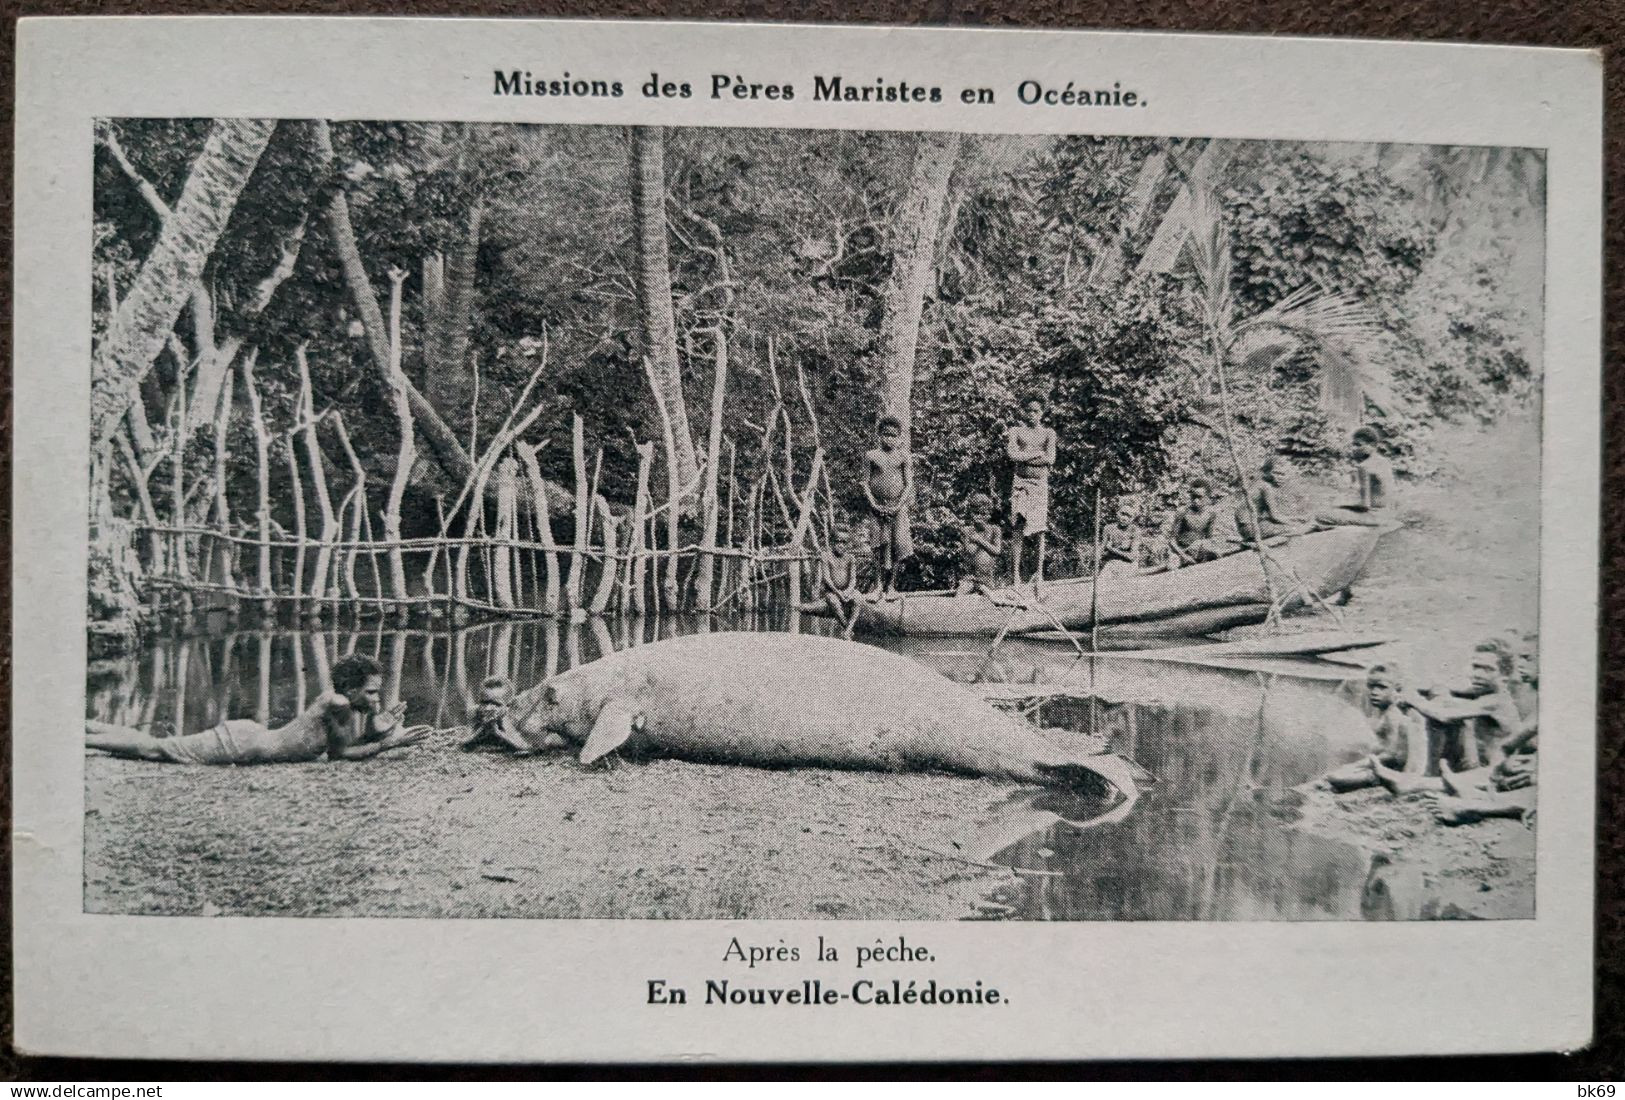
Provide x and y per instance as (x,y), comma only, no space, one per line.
(1465,566)
(436,832)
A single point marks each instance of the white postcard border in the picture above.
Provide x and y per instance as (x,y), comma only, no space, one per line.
(502,990)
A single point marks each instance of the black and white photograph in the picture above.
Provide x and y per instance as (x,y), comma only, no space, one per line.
(584,521)
(622,542)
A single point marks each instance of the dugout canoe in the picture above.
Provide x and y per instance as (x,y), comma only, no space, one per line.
(1195,600)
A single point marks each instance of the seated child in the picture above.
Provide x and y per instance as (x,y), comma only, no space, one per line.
(1121,547)
(1468,729)
(1394,729)
(489,718)
(837,585)
(981,543)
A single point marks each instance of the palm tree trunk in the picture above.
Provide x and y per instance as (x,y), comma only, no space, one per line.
(171,270)
(654,290)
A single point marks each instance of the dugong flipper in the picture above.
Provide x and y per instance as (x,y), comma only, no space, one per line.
(780,700)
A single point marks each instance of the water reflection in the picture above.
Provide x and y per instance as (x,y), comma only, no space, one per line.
(183,684)
(1210,840)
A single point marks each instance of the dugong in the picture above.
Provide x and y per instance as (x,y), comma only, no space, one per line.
(778,700)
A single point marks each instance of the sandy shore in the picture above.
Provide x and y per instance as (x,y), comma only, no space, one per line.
(441,833)
(1465,566)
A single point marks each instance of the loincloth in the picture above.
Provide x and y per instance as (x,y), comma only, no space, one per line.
(236,741)
(1029,503)
(893,531)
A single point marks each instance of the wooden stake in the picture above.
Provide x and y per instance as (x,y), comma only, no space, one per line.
(703,583)
(262,450)
(319,588)
(578,555)
(544,525)
(606,578)
(640,512)
(406,455)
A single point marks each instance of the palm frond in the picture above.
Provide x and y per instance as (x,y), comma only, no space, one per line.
(1343,336)
(1207,250)
(1319,316)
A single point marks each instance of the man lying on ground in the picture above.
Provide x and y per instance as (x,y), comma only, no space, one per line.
(349,722)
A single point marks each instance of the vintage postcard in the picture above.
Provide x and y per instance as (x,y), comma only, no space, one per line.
(623,542)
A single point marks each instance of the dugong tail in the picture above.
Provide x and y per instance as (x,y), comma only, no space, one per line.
(1112,784)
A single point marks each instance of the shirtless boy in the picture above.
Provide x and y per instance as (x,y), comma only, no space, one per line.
(837,583)
(1191,538)
(1466,731)
(889,489)
(1120,543)
(1373,478)
(349,722)
(1398,738)
(981,543)
(1266,495)
(1031,447)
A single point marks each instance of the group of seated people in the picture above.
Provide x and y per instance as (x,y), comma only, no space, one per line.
(1473,746)
(1212,522)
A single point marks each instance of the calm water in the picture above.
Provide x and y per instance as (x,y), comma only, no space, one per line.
(1208,841)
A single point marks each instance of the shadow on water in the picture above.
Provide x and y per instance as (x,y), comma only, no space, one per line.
(1210,840)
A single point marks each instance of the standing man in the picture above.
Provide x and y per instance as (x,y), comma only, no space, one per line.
(1031,447)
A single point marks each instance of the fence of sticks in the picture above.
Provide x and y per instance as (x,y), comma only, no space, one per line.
(495,554)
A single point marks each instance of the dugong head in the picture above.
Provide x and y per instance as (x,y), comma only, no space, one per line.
(567,711)
(557,707)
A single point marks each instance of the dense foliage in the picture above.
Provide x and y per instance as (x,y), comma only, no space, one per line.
(1047,282)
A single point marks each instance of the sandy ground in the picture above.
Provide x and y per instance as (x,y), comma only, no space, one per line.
(1464,567)
(468,835)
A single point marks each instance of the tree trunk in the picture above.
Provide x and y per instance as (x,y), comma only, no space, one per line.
(171,270)
(1108,263)
(319,587)
(446,328)
(442,440)
(606,578)
(916,240)
(506,531)
(640,512)
(222,551)
(654,290)
(578,555)
(544,526)
(1169,239)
